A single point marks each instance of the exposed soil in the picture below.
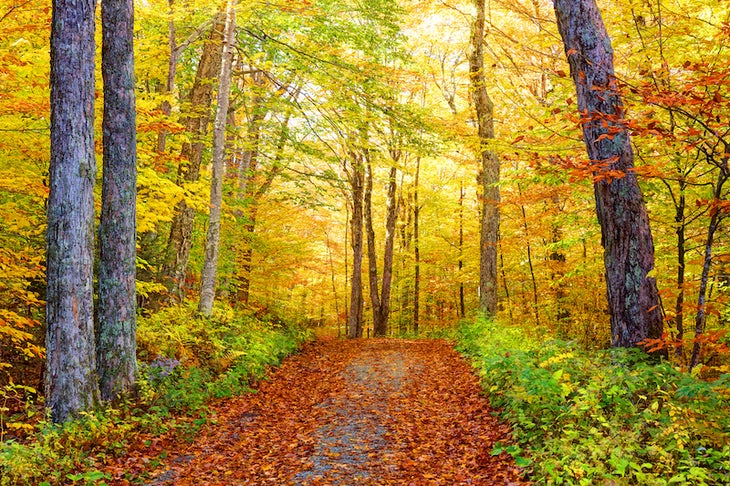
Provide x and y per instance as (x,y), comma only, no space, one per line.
(370,412)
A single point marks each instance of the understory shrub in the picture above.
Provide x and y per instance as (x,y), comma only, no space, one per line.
(608,417)
(184,361)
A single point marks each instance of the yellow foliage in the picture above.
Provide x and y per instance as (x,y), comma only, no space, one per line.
(555,359)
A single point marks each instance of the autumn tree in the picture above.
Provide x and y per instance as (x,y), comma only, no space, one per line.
(213,240)
(354,167)
(71,380)
(196,122)
(488,166)
(116,313)
(633,299)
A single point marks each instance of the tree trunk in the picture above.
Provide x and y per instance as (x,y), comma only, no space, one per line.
(116,344)
(557,276)
(196,125)
(213,237)
(372,257)
(246,171)
(253,137)
(462,307)
(391,218)
(528,248)
(246,190)
(171,73)
(405,317)
(633,300)
(679,219)
(416,250)
(489,168)
(354,318)
(71,380)
(716,218)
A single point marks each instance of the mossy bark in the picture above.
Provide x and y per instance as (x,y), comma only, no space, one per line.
(116,325)
(633,300)
(71,384)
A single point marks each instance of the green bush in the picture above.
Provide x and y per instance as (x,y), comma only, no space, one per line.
(608,417)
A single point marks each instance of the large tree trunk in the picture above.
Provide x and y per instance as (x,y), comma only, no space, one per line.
(196,125)
(633,300)
(489,168)
(71,380)
(372,256)
(354,318)
(390,221)
(116,344)
(213,237)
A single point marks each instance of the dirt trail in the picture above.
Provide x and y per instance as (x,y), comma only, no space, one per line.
(371,412)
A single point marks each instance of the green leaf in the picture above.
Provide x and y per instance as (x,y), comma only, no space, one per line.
(522,461)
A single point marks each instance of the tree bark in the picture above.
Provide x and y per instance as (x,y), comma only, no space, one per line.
(633,300)
(462,307)
(354,318)
(71,380)
(390,221)
(679,219)
(213,237)
(716,218)
(372,257)
(416,250)
(196,125)
(489,168)
(116,344)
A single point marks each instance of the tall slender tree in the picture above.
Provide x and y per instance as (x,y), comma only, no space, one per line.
(116,312)
(200,98)
(213,239)
(370,237)
(488,166)
(355,174)
(390,222)
(633,300)
(71,381)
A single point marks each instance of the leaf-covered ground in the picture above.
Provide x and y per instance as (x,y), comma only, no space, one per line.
(341,413)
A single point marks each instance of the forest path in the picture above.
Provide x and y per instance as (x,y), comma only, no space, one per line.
(377,411)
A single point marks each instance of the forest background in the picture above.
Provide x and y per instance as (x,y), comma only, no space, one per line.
(319,84)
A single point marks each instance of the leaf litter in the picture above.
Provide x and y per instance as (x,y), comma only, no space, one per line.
(343,412)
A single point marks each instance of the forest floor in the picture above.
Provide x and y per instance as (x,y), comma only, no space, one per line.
(342,412)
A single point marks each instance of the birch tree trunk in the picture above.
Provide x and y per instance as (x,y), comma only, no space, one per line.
(213,239)
(633,300)
(489,168)
(71,380)
(116,344)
